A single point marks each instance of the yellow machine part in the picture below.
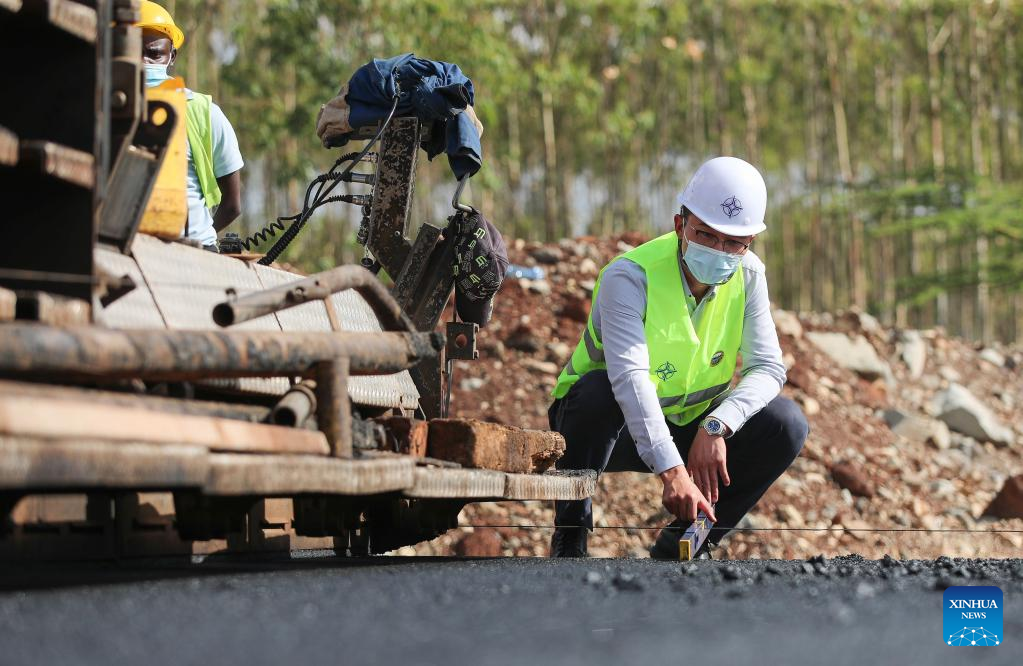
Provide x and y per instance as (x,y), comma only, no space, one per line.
(167,209)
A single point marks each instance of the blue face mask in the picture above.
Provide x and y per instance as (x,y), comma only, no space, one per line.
(708,265)
(155,75)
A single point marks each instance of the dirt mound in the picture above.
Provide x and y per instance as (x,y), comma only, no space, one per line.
(893,443)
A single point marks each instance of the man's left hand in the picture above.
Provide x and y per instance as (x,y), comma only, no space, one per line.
(707,464)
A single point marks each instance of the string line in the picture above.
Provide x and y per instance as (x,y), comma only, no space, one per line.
(771,529)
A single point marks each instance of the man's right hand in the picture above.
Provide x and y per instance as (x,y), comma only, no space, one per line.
(681,497)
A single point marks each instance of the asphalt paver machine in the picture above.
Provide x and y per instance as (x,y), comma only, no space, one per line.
(156,397)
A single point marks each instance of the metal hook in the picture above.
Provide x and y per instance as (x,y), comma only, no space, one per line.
(458,205)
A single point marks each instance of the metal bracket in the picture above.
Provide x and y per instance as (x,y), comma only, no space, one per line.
(133,177)
(112,287)
(461,343)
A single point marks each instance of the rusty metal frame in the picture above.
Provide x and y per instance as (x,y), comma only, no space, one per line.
(58,52)
(56,161)
(392,194)
(73,18)
(314,288)
(421,270)
(89,353)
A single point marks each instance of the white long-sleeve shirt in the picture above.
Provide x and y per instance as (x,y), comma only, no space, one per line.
(618,319)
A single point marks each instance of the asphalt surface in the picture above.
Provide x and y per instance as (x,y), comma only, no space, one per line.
(389,610)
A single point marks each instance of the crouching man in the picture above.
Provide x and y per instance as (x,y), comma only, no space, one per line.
(647,387)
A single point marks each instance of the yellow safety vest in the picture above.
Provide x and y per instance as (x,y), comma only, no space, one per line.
(199,126)
(689,366)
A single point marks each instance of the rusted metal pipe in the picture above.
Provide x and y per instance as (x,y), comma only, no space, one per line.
(313,288)
(41,351)
(296,405)
(333,409)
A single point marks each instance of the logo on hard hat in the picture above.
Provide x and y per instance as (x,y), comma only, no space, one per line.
(731,206)
(666,371)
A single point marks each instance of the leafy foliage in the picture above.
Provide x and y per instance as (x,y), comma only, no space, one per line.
(890,133)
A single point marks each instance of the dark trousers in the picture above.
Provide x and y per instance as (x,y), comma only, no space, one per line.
(596,438)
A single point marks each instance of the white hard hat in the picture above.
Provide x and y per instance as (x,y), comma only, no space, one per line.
(728,195)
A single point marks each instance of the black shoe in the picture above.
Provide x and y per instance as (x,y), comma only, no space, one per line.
(569,542)
(666,545)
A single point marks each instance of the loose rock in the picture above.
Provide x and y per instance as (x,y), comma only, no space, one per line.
(541,367)
(559,352)
(730,572)
(913,351)
(964,413)
(588,267)
(853,479)
(542,287)
(858,320)
(919,428)
(481,543)
(790,515)
(523,339)
(787,323)
(628,582)
(472,383)
(992,357)
(576,308)
(855,354)
(810,405)
(1008,503)
(547,255)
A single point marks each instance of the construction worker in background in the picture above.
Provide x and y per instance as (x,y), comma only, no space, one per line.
(214,161)
(646,388)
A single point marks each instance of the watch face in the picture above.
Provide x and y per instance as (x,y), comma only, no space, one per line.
(713,426)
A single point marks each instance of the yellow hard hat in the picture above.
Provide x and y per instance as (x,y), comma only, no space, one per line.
(155,17)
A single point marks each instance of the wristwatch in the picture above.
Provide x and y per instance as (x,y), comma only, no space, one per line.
(713,426)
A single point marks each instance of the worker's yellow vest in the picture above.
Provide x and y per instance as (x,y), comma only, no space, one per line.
(689,366)
(199,126)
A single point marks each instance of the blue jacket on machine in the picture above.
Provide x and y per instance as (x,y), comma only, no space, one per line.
(437,92)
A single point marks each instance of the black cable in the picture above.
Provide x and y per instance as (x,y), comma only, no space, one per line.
(270,230)
(354,199)
(322,193)
(263,235)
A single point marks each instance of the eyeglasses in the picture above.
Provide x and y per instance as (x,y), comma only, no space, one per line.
(708,239)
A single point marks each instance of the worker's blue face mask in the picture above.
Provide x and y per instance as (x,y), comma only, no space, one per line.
(708,265)
(155,75)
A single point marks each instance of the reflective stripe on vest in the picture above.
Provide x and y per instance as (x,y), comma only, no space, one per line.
(695,398)
(596,355)
(689,366)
